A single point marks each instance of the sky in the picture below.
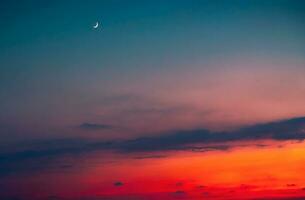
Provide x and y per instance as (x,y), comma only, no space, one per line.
(158,97)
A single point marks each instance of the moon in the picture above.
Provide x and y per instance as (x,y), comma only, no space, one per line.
(96,25)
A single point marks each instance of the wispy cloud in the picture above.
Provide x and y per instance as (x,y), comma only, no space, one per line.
(94,126)
(192,140)
(292,129)
(118,184)
(150,157)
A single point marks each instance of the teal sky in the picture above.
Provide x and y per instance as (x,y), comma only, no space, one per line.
(149,61)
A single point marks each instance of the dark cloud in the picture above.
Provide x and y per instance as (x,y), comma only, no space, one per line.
(49,148)
(180,192)
(41,156)
(279,130)
(292,129)
(164,142)
(93,126)
(207,148)
(118,184)
(200,187)
(261,145)
(150,157)
(197,140)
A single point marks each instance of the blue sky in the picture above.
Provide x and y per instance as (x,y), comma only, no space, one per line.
(56,71)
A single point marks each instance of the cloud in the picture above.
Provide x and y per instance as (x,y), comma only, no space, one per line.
(41,154)
(200,187)
(180,192)
(150,157)
(53,150)
(197,140)
(292,129)
(118,184)
(93,126)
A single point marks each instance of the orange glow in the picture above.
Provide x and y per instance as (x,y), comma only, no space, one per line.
(241,173)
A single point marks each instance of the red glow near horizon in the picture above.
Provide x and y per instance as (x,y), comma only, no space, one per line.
(241,173)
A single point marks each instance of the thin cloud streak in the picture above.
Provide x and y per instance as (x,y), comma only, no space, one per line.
(196,140)
(94,126)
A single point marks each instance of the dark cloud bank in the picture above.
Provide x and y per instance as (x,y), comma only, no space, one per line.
(195,140)
(292,129)
(118,184)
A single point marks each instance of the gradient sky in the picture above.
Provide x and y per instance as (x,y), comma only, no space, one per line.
(155,76)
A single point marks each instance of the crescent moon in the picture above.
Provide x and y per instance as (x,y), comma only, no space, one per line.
(96,25)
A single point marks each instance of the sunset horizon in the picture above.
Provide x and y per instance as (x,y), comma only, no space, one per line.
(152,100)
